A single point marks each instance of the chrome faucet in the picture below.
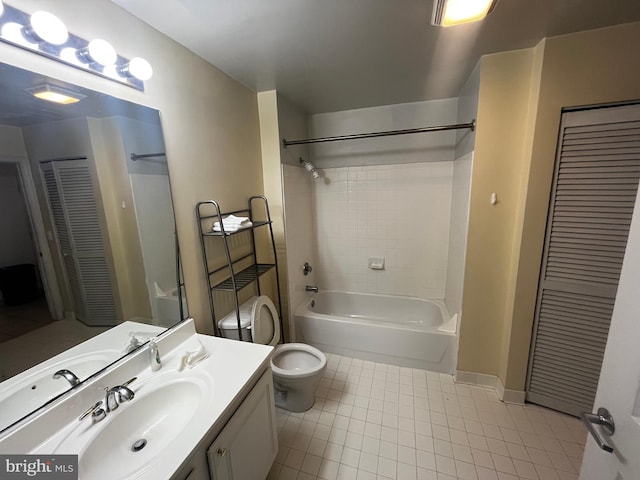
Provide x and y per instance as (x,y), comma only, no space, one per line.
(113,398)
(68,375)
(311,288)
(154,354)
(117,395)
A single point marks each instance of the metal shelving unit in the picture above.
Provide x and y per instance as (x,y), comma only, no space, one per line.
(236,277)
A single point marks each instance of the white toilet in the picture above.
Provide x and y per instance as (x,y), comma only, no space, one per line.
(297,368)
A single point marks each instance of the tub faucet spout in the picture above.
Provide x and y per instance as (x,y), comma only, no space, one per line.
(311,288)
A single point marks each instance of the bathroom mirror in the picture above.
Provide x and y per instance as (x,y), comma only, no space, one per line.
(87,230)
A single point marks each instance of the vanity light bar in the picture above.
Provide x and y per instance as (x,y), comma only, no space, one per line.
(45,34)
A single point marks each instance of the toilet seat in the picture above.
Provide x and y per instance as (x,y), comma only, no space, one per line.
(265,326)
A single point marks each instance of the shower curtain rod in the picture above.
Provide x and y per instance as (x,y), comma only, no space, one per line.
(135,156)
(471,125)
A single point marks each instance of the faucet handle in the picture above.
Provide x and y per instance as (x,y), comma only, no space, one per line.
(91,409)
(129,382)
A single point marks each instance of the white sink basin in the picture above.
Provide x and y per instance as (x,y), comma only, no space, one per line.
(156,417)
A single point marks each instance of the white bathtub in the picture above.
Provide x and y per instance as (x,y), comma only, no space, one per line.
(404,331)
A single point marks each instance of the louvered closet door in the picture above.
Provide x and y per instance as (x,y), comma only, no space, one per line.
(64,240)
(75,213)
(594,191)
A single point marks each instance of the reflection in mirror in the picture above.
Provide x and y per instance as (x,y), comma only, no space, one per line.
(87,232)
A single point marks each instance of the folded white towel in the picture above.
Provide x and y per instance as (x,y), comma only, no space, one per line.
(232,223)
(231,228)
(233,219)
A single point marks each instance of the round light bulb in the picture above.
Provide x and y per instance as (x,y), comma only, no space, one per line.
(69,55)
(140,68)
(111,71)
(12,31)
(49,28)
(102,52)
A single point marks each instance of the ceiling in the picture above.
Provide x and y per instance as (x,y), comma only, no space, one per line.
(331,55)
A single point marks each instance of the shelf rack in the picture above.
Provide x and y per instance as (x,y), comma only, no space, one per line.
(236,278)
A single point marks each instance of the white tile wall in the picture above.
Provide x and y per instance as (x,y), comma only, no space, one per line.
(458,227)
(400,212)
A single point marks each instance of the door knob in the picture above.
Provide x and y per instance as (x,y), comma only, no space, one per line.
(605,420)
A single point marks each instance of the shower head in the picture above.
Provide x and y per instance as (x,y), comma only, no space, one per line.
(309,167)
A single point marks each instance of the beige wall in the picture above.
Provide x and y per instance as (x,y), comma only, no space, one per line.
(599,66)
(273,188)
(505,242)
(505,82)
(11,142)
(210,121)
(280,119)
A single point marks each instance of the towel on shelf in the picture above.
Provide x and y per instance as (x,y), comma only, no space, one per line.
(231,223)
(231,228)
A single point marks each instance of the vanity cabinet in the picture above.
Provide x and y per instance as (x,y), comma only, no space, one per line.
(246,447)
(248,444)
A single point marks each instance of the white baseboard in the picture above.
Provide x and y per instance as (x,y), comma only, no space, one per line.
(509,396)
(491,381)
(473,378)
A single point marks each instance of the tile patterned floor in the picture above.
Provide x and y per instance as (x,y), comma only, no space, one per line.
(375,421)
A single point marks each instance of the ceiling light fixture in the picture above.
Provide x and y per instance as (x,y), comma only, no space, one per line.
(45,34)
(447,13)
(55,94)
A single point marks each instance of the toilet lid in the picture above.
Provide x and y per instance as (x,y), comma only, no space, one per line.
(265,326)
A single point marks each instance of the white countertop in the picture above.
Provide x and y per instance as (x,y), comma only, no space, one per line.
(229,372)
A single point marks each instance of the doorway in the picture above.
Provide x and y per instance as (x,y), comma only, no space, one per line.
(594,190)
(23,306)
